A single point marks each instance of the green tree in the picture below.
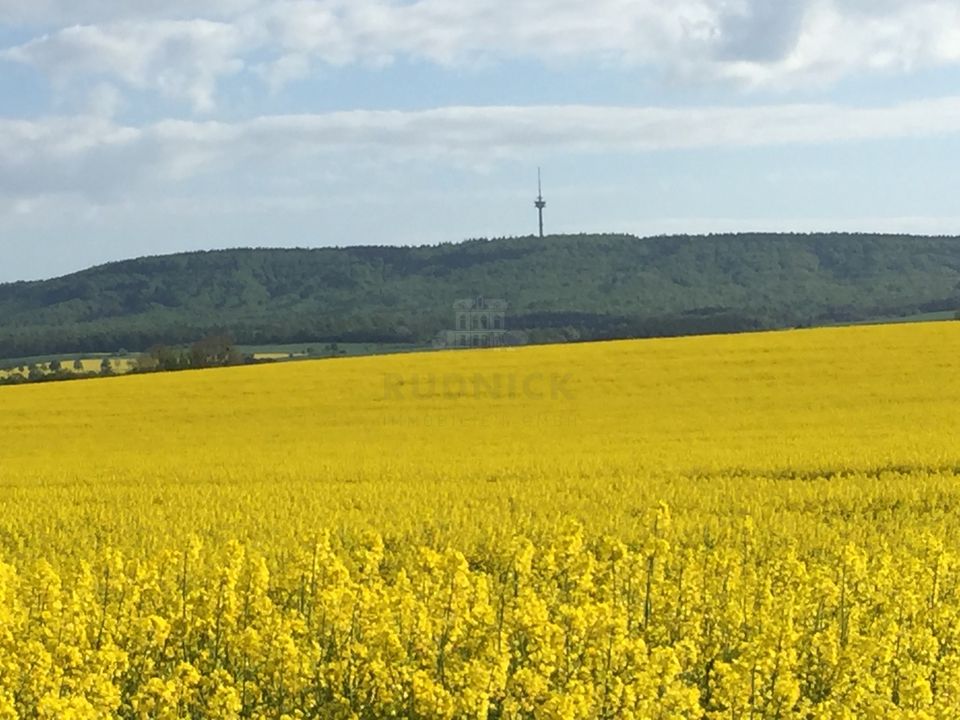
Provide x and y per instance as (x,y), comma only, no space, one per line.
(214,351)
(147,362)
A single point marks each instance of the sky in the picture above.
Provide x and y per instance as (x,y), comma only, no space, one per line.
(132,128)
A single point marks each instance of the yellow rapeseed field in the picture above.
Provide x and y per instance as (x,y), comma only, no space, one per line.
(754,526)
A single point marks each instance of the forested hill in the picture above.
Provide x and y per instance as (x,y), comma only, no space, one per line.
(561,287)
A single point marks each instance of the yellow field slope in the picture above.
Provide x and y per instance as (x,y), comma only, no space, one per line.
(469,439)
(746,526)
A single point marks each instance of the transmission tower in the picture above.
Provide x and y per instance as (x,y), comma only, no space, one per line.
(540,203)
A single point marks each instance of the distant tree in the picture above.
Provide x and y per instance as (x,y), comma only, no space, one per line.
(55,366)
(12,379)
(214,351)
(35,373)
(106,367)
(147,362)
(162,357)
(78,365)
(169,359)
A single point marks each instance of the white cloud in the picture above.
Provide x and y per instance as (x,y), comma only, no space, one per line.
(104,101)
(179,58)
(183,49)
(62,13)
(839,37)
(98,157)
(286,69)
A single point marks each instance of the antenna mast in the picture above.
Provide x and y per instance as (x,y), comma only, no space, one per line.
(540,203)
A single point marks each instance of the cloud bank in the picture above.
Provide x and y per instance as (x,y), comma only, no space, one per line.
(183,51)
(96,156)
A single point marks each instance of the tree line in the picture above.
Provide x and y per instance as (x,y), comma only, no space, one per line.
(216,350)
